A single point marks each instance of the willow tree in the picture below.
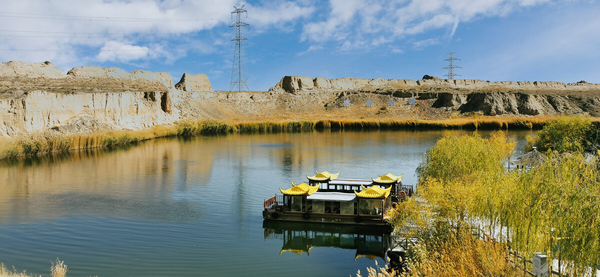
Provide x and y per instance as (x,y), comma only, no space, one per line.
(566,134)
(464,175)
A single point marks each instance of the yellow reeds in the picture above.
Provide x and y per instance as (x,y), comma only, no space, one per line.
(552,208)
(4,272)
(49,141)
(58,269)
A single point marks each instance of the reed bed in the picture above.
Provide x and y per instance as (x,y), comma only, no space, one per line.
(53,142)
(469,123)
(205,127)
(275,127)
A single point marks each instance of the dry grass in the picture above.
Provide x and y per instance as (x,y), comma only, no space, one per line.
(4,272)
(59,269)
(52,142)
(472,122)
(460,254)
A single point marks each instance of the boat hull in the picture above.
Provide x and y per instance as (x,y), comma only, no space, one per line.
(274,215)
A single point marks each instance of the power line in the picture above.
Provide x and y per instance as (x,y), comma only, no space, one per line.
(451,66)
(82,50)
(100,18)
(238,71)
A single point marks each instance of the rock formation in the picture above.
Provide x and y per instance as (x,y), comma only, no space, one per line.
(297,84)
(489,98)
(198,82)
(39,97)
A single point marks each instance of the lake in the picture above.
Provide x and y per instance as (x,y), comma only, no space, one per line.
(192,207)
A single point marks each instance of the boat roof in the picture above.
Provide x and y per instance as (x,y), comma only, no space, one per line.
(351,182)
(332,196)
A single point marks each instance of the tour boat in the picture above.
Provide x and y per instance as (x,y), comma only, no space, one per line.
(329,199)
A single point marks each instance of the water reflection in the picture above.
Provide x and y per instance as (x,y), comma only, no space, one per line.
(181,206)
(299,238)
(132,182)
(166,171)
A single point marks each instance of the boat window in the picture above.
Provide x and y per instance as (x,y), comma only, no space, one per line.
(318,206)
(347,208)
(370,206)
(336,207)
(296,203)
(327,207)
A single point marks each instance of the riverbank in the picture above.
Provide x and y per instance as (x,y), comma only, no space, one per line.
(52,142)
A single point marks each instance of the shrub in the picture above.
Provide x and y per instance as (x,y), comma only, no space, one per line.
(566,134)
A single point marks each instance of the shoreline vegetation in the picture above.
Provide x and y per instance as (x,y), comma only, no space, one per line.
(58,269)
(53,142)
(552,208)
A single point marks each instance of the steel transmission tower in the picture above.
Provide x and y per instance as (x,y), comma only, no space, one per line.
(238,71)
(451,66)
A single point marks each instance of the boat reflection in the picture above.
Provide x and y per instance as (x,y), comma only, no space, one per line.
(369,242)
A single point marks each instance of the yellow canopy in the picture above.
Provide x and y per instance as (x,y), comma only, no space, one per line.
(388,178)
(368,256)
(323,176)
(373,192)
(297,251)
(301,189)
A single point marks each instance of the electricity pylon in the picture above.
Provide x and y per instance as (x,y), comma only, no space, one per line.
(451,66)
(238,71)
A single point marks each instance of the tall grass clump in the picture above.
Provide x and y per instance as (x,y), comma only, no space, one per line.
(45,142)
(58,269)
(205,127)
(9,148)
(275,127)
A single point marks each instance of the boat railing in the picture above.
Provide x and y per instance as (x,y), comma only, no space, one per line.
(273,202)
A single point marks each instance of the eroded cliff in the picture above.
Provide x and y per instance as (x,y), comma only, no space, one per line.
(38,96)
(442,97)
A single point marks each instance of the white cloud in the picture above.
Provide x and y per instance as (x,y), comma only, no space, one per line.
(118,51)
(349,22)
(65,31)
(310,49)
(277,13)
(424,43)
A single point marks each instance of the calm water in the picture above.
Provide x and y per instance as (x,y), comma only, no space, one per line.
(192,207)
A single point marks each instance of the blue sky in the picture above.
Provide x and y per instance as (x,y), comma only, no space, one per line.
(496,40)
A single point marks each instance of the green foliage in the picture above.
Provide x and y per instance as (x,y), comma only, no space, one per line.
(566,134)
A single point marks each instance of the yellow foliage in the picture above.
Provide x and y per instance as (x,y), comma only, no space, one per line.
(553,208)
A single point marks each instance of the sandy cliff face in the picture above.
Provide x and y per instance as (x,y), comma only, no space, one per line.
(489,98)
(38,96)
(296,84)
